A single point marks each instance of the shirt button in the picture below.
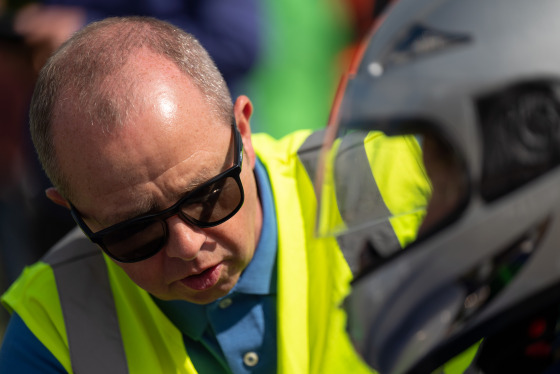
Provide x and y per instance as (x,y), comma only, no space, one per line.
(251,359)
(225,303)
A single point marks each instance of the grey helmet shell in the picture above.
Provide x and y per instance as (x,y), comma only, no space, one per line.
(431,62)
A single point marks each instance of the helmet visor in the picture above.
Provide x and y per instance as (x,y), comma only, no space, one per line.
(385,187)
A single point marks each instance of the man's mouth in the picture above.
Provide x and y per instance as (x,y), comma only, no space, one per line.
(205,280)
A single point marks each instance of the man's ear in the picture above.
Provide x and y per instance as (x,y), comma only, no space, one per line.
(55,196)
(243,109)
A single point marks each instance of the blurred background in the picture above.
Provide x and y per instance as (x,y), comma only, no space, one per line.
(286,55)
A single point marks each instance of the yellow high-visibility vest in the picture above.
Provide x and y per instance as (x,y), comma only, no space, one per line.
(93,318)
(90,315)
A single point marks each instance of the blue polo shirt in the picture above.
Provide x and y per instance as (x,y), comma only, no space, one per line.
(242,323)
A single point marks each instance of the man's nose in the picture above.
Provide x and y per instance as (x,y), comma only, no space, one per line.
(185,240)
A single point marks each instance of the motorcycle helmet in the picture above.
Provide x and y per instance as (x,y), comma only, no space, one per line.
(439,177)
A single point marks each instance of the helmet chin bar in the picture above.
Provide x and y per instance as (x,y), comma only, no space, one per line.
(456,344)
(441,295)
(486,280)
(482,284)
(429,338)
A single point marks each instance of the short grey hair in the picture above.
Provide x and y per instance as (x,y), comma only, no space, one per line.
(81,68)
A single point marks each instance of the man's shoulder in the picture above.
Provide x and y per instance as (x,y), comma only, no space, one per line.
(37,284)
(38,279)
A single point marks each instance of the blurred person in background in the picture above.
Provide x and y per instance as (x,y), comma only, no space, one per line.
(229,30)
(16,86)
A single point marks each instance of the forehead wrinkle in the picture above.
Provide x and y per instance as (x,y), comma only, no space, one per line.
(175,177)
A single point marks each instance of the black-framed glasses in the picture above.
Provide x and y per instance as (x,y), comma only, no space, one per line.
(210,204)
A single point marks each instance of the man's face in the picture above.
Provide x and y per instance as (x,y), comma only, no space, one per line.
(170,144)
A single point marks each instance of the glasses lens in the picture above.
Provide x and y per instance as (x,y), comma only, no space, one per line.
(135,242)
(214,202)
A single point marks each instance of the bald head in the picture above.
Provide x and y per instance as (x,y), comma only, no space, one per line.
(90,78)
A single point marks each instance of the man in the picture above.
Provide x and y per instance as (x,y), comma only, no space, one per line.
(478,290)
(209,261)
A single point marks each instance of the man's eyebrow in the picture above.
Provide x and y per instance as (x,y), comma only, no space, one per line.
(142,208)
(194,184)
(204,177)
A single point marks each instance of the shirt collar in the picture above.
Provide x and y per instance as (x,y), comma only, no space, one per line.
(259,277)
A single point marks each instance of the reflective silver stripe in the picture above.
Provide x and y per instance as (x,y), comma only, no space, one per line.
(309,152)
(88,307)
(383,239)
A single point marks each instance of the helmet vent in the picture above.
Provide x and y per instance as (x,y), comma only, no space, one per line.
(488,279)
(420,40)
(520,129)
